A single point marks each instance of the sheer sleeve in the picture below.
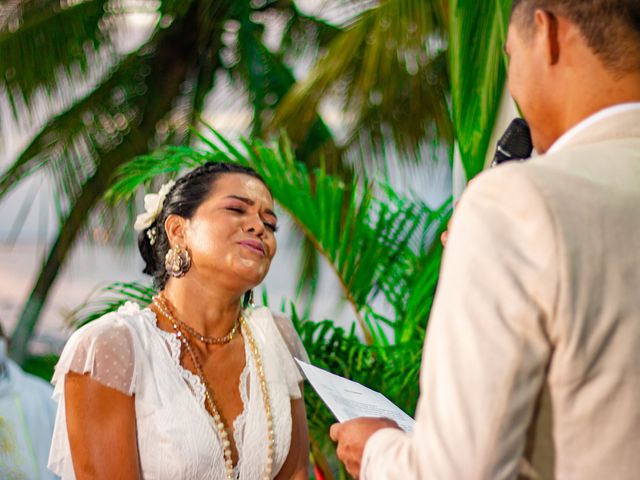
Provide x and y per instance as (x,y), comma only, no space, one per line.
(104,350)
(290,337)
(281,346)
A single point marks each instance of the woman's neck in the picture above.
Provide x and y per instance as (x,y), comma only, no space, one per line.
(212,311)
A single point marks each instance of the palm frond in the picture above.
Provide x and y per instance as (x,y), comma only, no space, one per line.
(70,143)
(112,115)
(36,44)
(268,78)
(304,31)
(399,39)
(477,33)
(364,239)
(109,299)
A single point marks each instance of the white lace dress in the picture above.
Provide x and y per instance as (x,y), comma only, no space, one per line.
(177,439)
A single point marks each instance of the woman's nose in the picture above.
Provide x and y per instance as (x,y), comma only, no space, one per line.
(254,224)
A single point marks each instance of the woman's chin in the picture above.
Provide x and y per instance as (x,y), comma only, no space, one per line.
(252,273)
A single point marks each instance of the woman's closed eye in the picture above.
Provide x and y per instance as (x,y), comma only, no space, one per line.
(236,209)
(270,225)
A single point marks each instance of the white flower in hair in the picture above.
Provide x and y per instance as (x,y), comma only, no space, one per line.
(153,206)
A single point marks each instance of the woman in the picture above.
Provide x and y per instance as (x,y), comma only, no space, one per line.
(194,386)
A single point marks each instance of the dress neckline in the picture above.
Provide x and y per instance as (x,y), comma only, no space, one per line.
(174,348)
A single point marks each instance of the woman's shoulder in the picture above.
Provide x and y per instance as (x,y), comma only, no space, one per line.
(106,348)
(280,324)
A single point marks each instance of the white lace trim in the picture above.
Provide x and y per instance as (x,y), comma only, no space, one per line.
(241,420)
(198,388)
(175,349)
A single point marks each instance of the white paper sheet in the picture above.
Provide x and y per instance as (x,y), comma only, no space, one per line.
(348,399)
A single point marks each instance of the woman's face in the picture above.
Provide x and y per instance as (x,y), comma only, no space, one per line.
(231,235)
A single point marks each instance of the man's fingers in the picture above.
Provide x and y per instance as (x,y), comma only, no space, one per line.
(334,431)
(352,465)
(443,237)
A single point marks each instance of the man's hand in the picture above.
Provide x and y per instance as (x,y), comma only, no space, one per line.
(445,235)
(351,437)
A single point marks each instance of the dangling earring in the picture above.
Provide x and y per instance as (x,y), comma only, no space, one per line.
(177,261)
(248,300)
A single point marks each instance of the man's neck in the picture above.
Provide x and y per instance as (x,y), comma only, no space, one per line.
(600,97)
(603,90)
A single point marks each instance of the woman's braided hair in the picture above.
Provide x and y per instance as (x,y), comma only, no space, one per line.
(184,198)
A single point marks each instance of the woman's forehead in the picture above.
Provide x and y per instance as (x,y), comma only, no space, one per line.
(240,184)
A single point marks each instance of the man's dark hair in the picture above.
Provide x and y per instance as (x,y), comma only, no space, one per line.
(186,195)
(610,27)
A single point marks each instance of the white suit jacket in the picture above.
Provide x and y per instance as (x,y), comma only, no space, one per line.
(531,365)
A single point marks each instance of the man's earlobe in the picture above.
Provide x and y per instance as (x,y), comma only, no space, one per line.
(547,27)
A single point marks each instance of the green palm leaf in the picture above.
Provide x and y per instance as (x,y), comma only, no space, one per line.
(110,298)
(399,40)
(477,33)
(43,37)
(71,142)
(364,238)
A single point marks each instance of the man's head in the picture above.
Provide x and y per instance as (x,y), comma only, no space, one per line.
(571,58)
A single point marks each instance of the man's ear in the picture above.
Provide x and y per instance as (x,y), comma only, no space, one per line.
(547,31)
(175,225)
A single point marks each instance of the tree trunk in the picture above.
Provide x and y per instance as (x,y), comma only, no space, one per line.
(93,189)
(175,55)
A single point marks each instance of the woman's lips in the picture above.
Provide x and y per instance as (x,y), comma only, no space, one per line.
(254,246)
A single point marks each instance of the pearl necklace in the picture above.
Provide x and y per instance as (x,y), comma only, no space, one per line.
(160,303)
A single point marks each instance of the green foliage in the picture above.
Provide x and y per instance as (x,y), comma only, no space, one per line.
(392,370)
(111,298)
(71,144)
(41,366)
(388,68)
(30,60)
(477,34)
(370,242)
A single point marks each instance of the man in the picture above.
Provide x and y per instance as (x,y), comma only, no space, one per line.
(531,365)
(27,413)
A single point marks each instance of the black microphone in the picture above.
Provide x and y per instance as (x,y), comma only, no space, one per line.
(514,144)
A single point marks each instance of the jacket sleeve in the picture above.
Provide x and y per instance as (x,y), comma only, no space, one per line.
(487,346)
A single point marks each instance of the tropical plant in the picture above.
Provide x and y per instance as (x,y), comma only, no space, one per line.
(387,73)
(409,72)
(477,34)
(379,244)
(105,106)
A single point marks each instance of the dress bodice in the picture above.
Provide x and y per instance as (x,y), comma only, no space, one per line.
(177,439)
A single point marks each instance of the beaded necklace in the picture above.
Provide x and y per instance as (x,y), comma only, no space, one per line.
(161,304)
(192,331)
